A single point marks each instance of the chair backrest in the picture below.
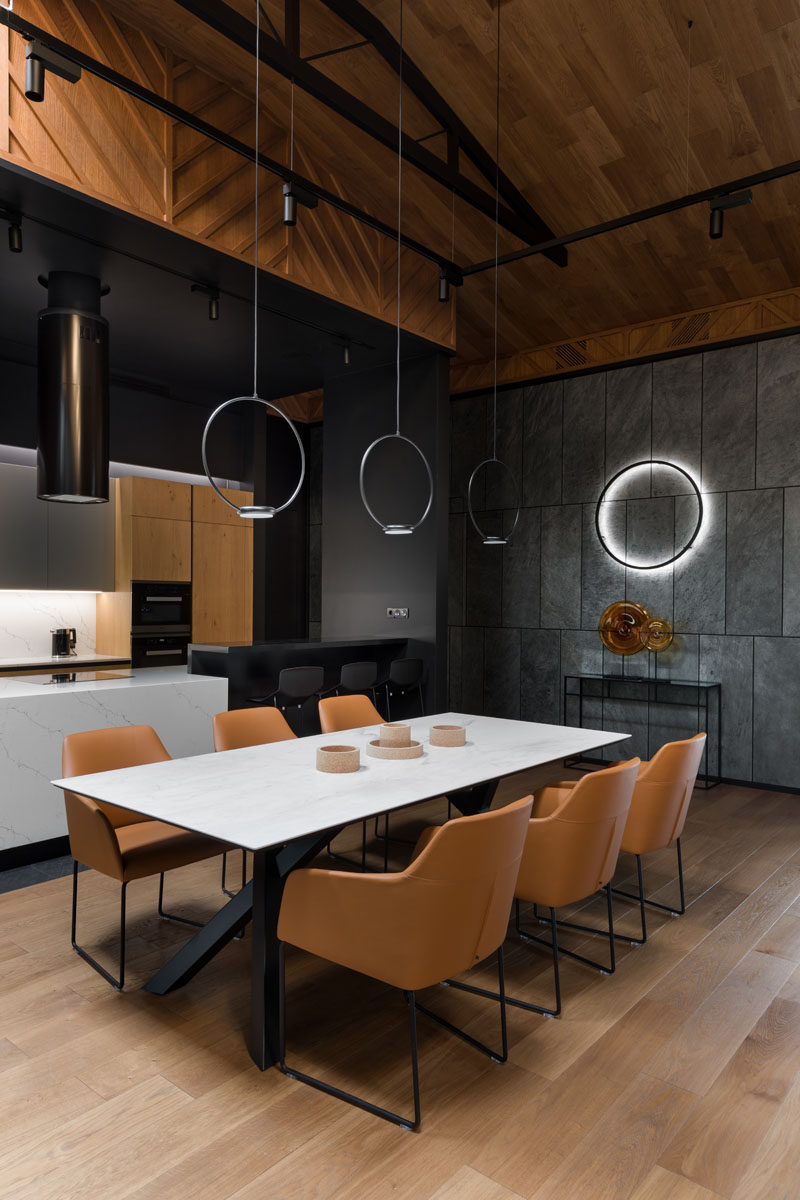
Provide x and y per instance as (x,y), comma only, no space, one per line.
(358,675)
(337,713)
(300,682)
(107,750)
(573,851)
(662,795)
(250,727)
(406,672)
(469,868)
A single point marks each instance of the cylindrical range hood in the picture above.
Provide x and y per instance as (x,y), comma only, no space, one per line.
(73,392)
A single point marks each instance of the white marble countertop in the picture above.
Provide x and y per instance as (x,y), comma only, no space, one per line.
(68,664)
(14,688)
(267,795)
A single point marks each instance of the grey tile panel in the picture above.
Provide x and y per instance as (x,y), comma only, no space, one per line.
(467,440)
(454,639)
(729,661)
(583,471)
(778,413)
(628,405)
(503,491)
(754,569)
(729,411)
(484,575)
(542,457)
(677,412)
(776,711)
(602,578)
(501,650)
(791,562)
(540,676)
(521,558)
(699,575)
(472,670)
(561,567)
(456,570)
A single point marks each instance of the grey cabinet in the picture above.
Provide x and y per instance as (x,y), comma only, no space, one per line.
(63,547)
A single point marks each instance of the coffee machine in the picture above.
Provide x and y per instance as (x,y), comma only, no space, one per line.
(63,643)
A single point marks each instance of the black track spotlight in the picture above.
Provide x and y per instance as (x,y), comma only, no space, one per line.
(289,205)
(444,288)
(213,298)
(15,237)
(716,222)
(38,60)
(347,354)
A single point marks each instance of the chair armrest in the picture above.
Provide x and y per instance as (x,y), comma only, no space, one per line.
(92,839)
(548,799)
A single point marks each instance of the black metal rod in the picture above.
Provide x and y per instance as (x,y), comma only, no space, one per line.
(643,214)
(93,67)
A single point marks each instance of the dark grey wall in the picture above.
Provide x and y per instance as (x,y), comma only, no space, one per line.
(364,571)
(314,569)
(523,616)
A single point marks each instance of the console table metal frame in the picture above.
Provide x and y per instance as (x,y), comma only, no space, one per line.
(604,684)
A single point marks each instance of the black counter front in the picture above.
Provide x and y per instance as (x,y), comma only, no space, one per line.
(252,670)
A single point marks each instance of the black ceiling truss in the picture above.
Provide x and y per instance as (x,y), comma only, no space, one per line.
(719,196)
(26,29)
(514,212)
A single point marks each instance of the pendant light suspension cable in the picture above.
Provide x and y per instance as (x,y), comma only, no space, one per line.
(397,527)
(255,510)
(502,538)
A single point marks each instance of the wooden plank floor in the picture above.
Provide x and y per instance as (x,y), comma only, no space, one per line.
(677,1078)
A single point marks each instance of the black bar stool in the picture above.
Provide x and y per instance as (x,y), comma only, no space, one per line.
(359,677)
(296,685)
(405,675)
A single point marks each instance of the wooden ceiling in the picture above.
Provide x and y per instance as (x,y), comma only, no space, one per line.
(607,106)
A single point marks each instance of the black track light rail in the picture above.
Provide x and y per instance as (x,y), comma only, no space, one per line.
(521,218)
(715,196)
(101,71)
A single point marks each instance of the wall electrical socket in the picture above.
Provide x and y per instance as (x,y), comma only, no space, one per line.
(402,613)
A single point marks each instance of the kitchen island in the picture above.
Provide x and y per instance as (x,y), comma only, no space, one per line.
(35,715)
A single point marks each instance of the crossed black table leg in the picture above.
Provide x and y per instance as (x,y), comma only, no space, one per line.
(260,902)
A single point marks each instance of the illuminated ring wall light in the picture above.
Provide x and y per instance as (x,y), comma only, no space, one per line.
(606,498)
(254,510)
(395,529)
(489,539)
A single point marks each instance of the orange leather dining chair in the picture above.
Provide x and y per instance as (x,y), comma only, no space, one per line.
(248,727)
(121,844)
(446,912)
(337,714)
(571,851)
(657,816)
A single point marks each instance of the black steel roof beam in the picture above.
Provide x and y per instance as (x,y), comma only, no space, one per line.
(359,17)
(708,195)
(101,71)
(291,9)
(241,32)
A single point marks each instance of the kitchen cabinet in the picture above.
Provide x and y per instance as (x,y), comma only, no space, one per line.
(222,568)
(63,547)
(153,530)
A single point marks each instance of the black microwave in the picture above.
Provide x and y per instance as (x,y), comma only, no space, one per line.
(160,607)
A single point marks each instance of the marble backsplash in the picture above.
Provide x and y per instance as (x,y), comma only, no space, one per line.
(26,619)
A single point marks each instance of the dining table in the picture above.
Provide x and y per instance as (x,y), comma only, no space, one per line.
(271,800)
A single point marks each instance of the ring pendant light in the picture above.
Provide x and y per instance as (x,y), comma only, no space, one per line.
(257,511)
(396,528)
(490,539)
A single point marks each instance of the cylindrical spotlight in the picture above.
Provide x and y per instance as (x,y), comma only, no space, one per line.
(444,289)
(716,222)
(289,208)
(15,237)
(34,78)
(347,354)
(213,308)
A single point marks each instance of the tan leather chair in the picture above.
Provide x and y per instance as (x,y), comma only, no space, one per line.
(118,843)
(446,912)
(657,816)
(248,727)
(337,714)
(571,851)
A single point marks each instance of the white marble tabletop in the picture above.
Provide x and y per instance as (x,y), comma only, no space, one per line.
(267,795)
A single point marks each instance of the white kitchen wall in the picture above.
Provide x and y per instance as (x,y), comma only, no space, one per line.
(26,619)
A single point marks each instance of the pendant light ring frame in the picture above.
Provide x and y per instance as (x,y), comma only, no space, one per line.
(254,510)
(386,527)
(488,539)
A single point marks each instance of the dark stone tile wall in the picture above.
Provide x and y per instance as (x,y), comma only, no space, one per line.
(525,615)
(314,467)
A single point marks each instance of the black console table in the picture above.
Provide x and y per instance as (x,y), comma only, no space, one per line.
(705,697)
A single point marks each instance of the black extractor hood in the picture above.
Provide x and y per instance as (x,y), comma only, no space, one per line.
(73,398)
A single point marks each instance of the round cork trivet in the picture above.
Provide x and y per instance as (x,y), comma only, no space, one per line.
(381,750)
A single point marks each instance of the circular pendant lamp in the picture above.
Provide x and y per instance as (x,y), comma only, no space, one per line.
(395,528)
(257,511)
(491,539)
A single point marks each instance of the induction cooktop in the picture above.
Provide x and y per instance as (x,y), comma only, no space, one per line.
(72,677)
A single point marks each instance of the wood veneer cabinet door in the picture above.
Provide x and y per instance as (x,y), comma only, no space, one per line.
(222,582)
(161,549)
(208,507)
(158,498)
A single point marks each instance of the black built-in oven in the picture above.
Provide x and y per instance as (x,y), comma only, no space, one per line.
(160,607)
(159,650)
